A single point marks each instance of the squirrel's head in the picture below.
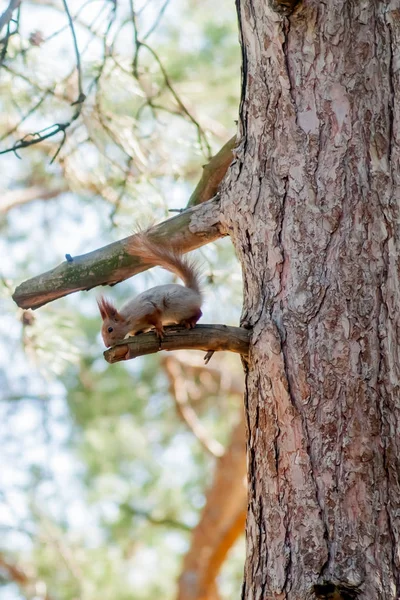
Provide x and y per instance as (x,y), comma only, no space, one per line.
(114,326)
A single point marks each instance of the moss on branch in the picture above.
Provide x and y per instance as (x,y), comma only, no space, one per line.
(196,226)
(189,230)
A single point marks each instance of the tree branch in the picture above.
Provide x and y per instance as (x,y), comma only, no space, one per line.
(111,264)
(6,17)
(213,173)
(81,95)
(164,521)
(24,578)
(202,337)
(200,132)
(39,136)
(9,200)
(179,391)
(221,522)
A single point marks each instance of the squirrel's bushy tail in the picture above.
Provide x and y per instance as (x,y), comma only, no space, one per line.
(156,254)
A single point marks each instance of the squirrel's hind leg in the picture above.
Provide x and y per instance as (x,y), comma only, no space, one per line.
(190,323)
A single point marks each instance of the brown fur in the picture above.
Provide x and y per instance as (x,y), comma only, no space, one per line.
(159,306)
(107,309)
(155,253)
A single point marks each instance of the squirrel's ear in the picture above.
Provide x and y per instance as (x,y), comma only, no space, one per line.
(107,309)
(101,303)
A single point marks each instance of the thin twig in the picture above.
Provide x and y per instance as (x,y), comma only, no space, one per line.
(9,33)
(81,96)
(144,7)
(179,391)
(157,20)
(5,45)
(108,130)
(200,131)
(96,82)
(37,137)
(164,521)
(61,144)
(28,114)
(136,41)
(107,51)
(75,19)
(38,87)
(122,190)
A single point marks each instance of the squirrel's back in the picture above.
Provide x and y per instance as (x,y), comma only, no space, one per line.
(174,303)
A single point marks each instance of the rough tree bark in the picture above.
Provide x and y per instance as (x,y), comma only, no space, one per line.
(312,206)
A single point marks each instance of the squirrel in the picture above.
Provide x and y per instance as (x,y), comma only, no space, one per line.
(161,305)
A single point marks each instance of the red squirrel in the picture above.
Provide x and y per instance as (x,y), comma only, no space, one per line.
(161,305)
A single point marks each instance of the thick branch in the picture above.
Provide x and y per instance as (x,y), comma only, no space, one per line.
(202,337)
(109,265)
(221,523)
(213,174)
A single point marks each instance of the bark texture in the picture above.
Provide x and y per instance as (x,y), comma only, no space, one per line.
(312,205)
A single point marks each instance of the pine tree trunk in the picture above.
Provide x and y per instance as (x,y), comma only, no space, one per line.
(312,206)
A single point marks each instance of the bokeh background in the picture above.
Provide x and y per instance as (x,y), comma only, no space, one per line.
(107,470)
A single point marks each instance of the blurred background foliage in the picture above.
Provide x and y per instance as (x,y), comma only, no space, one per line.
(105,467)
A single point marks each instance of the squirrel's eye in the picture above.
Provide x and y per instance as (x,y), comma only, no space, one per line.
(110,329)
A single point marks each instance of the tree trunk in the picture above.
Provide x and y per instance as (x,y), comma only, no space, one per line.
(312,206)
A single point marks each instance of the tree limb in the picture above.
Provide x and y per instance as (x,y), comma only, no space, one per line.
(202,337)
(6,17)
(111,264)
(213,173)
(194,227)
(13,572)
